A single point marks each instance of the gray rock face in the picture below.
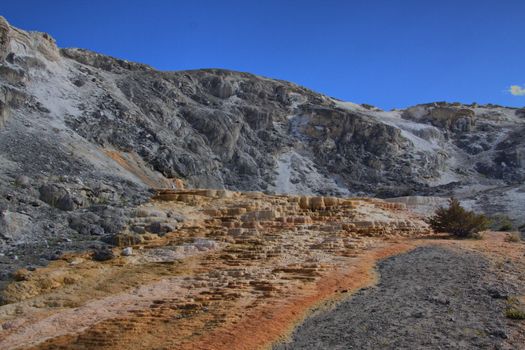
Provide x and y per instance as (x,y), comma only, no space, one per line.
(58,197)
(92,131)
(13,224)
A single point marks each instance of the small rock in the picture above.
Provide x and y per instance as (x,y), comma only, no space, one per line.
(103,254)
(66,203)
(418,314)
(96,230)
(147,212)
(497,293)
(439,299)
(499,333)
(76,261)
(23,181)
(54,256)
(205,244)
(138,229)
(79,82)
(160,227)
(123,239)
(154,227)
(22,275)
(128,251)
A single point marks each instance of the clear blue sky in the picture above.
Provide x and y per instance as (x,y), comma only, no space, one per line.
(385,52)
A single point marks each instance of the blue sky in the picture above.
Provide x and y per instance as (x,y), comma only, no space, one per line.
(391,54)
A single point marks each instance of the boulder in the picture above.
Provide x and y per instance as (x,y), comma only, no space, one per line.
(23,181)
(59,197)
(86,223)
(103,254)
(13,224)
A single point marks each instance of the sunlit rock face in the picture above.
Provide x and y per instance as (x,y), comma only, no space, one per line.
(104,131)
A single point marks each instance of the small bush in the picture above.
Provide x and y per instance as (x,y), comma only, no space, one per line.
(501,222)
(514,309)
(457,220)
(515,314)
(506,227)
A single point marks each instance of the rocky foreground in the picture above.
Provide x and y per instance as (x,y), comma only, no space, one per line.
(241,269)
(235,260)
(429,298)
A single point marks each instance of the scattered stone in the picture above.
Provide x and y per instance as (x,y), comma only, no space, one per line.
(58,197)
(23,181)
(205,244)
(128,251)
(499,333)
(103,254)
(160,227)
(148,212)
(497,293)
(124,239)
(22,275)
(138,229)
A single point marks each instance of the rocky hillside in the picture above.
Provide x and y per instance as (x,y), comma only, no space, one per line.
(84,137)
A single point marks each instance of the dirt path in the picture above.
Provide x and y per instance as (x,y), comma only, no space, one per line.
(429,298)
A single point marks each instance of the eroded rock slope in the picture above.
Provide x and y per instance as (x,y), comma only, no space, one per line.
(83,137)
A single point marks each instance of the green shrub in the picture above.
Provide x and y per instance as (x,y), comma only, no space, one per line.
(457,220)
(506,227)
(515,314)
(501,222)
(514,309)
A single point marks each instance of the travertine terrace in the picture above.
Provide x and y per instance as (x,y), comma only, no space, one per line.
(84,137)
(231,259)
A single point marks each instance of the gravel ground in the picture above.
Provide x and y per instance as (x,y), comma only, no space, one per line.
(430,298)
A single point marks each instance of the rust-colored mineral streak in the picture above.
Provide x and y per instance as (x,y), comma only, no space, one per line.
(238,271)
